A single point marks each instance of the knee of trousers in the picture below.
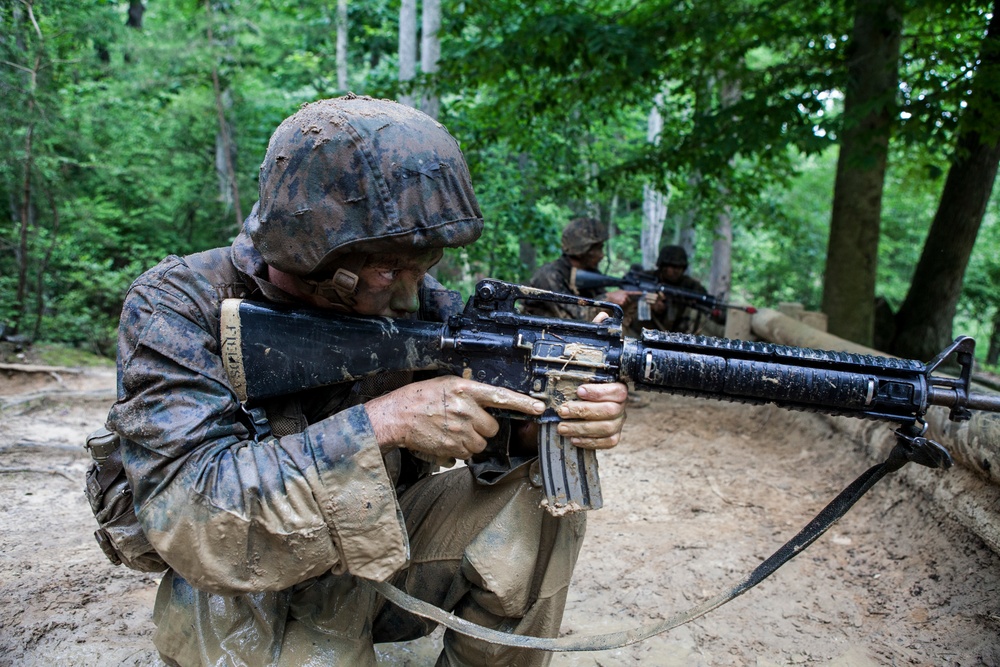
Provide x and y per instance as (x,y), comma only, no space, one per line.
(523,554)
(505,544)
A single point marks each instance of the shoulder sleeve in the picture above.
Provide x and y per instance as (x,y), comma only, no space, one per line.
(229,514)
(438,303)
(548,277)
(553,278)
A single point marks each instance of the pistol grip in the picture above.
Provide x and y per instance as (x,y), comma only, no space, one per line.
(569,473)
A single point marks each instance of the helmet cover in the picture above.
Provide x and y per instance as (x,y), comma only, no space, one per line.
(355,175)
(580,234)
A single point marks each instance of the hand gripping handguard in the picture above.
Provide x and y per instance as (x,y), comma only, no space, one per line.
(271,351)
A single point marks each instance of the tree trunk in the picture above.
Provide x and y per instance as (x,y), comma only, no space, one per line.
(135,11)
(430,53)
(654,204)
(342,84)
(993,350)
(612,228)
(852,254)
(721,275)
(684,232)
(407,50)
(40,272)
(26,205)
(225,149)
(924,321)
(683,224)
(654,212)
(527,253)
(24,225)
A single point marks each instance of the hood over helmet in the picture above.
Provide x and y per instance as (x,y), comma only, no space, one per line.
(350,176)
(580,234)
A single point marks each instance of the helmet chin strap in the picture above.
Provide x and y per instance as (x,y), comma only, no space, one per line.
(340,289)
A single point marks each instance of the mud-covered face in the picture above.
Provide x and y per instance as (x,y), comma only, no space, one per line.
(388,284)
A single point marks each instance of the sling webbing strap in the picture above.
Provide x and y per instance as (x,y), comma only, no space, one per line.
(910,447)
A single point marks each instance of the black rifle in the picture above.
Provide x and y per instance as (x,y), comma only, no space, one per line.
(640,281)
(270,351)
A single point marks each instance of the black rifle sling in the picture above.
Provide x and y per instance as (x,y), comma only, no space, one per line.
(910,447)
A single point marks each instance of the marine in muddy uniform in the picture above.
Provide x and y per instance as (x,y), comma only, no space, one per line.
(670,314)
(583,242)
(270,529)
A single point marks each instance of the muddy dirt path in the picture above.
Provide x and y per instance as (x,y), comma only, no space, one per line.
(696,496)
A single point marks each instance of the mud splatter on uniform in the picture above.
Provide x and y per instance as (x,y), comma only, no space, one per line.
(269,542)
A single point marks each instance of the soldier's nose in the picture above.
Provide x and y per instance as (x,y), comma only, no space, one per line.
(406,297)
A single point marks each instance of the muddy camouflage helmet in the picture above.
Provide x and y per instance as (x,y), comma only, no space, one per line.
(357,175)
(580,234)
(672,255)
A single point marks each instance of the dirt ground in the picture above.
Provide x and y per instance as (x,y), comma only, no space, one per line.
(695,497)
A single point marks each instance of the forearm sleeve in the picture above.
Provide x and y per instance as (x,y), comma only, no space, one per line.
(229,514)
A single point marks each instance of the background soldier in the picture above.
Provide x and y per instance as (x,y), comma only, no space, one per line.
(270,530)
(582,248)
(670,313)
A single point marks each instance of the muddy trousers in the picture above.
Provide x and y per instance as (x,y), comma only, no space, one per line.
(486,552)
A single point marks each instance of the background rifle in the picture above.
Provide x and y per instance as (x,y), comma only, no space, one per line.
(271,351)
(640,281)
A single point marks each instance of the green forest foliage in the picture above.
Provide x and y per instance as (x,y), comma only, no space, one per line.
(108,158)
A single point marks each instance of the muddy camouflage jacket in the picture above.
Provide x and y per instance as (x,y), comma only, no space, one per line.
(229,514)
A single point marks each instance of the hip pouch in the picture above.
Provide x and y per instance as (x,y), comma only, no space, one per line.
(119,534)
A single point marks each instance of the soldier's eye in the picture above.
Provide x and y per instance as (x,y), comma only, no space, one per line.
(388,274)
